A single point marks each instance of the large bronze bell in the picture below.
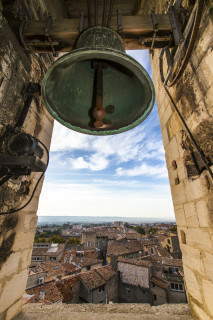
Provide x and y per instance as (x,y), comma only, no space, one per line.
(98,89)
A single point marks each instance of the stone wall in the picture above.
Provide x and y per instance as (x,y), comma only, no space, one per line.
(17,68)
(88,239)
(192,195)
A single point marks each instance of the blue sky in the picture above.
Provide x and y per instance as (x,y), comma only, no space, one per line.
(120,175)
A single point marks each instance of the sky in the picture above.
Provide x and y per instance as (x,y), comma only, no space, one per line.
(120,175)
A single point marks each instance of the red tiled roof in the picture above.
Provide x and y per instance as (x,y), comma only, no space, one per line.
(106,272)
(84,262)
(52,294)
(44,251)
(159,282)
(166,261)
(136,262)
(92,254)
(92,279)
(65,288)
(116,248)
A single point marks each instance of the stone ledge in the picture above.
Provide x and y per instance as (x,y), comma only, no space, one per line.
(105,312)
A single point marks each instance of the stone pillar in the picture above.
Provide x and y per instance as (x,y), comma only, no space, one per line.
(192,189)
(17,230)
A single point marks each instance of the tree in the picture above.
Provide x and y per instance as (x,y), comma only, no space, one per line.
(140,230)
(56,239)
(152,230)
(173,229)
(73,241)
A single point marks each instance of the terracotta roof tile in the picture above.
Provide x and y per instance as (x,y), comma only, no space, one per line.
(136,262)
(51,293)
(106,272)
(92,279)
(84,262)
(66,288)
(159,282)
(45,252)
(116,248)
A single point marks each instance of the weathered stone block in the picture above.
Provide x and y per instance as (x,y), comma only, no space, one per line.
(196,189)
(192,284)
(13,290)
(11,265)
(198,312)
(208,265)
(178,194)
(26,259)
(181,169)
(191,215)
(208,100)
(14,310)
(208,295)
(172,152)
(27,222)
(165,137)
(200,237)
(173,125)
(192,258)
(23,240)
(204,213)
(180,215)
(166,116)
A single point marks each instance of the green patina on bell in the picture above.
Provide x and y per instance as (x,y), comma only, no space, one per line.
(98,89)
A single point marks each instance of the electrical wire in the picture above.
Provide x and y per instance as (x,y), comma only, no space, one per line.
(37,183)
(202,155)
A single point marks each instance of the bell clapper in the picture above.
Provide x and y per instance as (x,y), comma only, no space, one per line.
(99,112)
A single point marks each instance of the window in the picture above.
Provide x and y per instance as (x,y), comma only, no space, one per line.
(173,270)
(119,275)
(155,298)
(40,280)
(168,241)
(128,292)
(101,288)
(177,286)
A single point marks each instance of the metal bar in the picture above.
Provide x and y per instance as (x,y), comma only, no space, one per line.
(104,14)
(89,13)
(81,25)
(154,20)
(96,12)
(32,89)
(21,35)
(178,36)
(110,13)
(185,35)
(178,4)
(169,57)
(48,26)
(119,17)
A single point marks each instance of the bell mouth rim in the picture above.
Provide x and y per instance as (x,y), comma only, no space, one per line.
(106,52)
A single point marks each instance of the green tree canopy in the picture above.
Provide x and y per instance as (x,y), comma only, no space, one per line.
(56,239)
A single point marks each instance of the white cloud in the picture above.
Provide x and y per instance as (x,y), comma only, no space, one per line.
(143,169)
(94,163)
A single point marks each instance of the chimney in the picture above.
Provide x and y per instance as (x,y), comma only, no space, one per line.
(41,295)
